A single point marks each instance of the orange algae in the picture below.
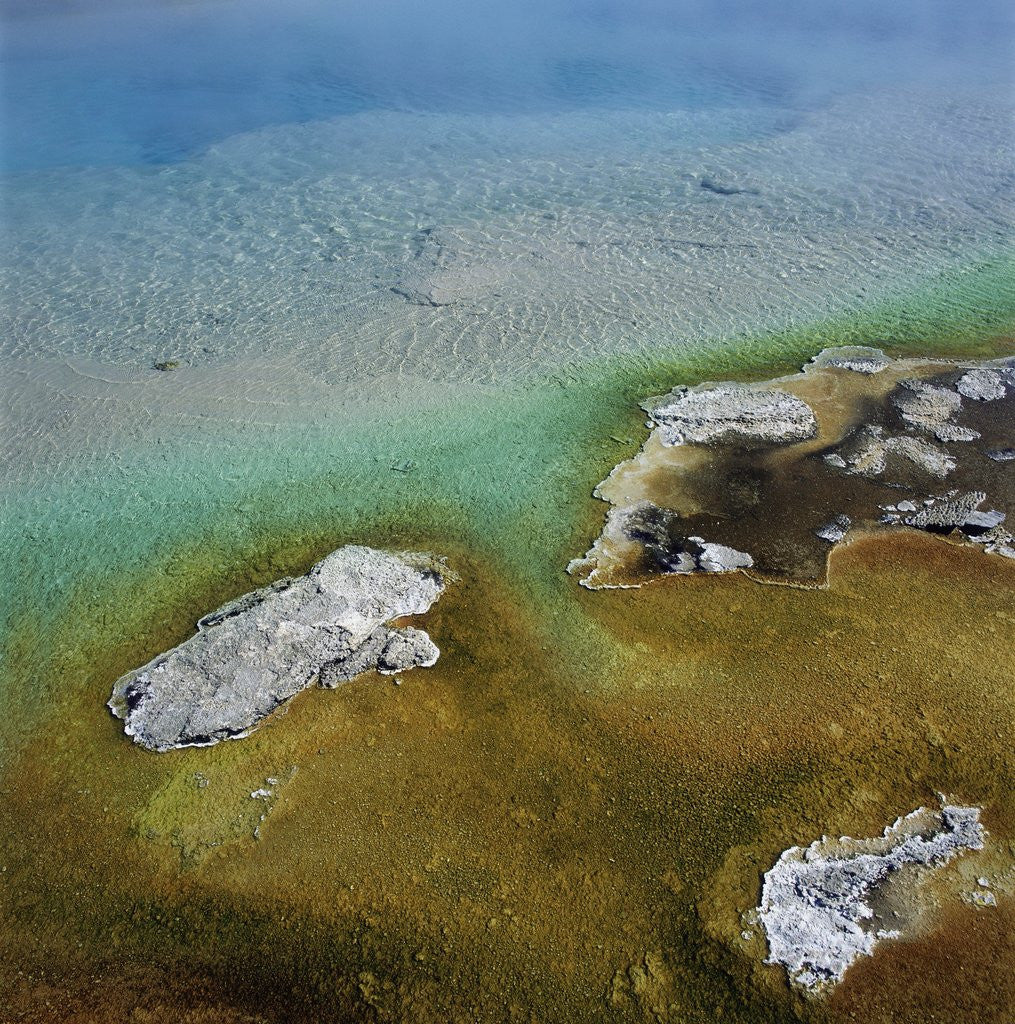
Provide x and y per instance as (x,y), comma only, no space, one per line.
(559,821)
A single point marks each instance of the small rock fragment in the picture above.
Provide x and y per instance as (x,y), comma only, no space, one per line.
(931,408)
(405,649)
(980,899)
(656,529)
(996,540)
(834,531)
(857,358)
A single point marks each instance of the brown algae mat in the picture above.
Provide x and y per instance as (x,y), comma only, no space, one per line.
(563,820)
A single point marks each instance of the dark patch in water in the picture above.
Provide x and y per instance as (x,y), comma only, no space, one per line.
(709,185)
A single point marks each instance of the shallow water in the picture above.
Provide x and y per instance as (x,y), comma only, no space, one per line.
(418,267)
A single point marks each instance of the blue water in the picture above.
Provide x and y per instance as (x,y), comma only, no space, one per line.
(107,83)
(308,204)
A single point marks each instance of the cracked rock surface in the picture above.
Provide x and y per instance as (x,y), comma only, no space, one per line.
(728,411)
(255,653)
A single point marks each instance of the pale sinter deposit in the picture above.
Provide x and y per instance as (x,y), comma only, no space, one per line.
(257,652)
(826,905)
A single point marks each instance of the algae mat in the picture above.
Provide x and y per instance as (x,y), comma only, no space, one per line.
(563,820)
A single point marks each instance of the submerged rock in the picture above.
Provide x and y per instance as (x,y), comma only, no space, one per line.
(653,538)
(868,453)
(455,266)
(826,906)
(857,358)
(723,412)
(931,408)
(256,652)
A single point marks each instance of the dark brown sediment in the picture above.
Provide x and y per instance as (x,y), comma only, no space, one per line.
(772,500)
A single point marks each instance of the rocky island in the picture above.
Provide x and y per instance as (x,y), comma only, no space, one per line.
(768,477)
(257,652)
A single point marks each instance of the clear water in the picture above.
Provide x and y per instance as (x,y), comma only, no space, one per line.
(363,234)
(210,182)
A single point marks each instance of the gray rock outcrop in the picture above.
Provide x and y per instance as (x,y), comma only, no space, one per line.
(818,904)
(257,652)
(724,412)
(931,408)
(985,385)
(867,454)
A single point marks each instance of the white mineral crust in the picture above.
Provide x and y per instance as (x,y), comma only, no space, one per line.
(816,903)
(257,652)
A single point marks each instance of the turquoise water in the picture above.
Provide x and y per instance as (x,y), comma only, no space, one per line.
(432,236)
(154,82)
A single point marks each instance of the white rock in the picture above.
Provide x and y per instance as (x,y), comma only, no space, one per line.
(834,531)
(816,902)
(984,385)
(730,412)
(857,358)
(719,558)
(257,652)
